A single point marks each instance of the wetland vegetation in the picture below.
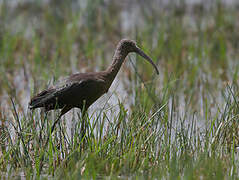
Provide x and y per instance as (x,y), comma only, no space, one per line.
(182,124)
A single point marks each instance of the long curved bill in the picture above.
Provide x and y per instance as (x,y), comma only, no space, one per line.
(141,53)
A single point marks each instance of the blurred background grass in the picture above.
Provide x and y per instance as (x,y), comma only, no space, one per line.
(182,123)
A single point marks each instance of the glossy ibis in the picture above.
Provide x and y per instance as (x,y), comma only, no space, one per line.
(83,89)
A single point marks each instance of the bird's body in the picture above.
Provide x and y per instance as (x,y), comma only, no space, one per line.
(72,93)
(83,89)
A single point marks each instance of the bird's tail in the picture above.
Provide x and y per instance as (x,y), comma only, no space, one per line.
(39,100)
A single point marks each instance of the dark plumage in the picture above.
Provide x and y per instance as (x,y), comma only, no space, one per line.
(77,88)
(83,89)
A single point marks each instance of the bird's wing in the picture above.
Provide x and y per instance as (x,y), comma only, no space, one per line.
(50,97)
(70,93)
(77,90)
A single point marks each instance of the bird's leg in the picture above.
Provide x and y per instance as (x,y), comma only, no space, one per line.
(54,124)
(63,111)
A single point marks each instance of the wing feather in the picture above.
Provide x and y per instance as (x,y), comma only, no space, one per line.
(72,92)
(51,98)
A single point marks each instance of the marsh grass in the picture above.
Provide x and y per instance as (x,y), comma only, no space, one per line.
(180,124)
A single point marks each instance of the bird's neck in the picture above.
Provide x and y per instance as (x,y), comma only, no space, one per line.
(113,70)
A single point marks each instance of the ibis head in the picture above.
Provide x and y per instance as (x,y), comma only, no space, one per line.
(128,46)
